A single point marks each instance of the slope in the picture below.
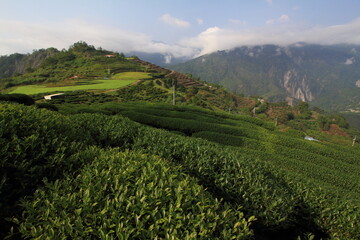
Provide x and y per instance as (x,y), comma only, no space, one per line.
(246,179)
(84,73)
(323,75)
(256,170)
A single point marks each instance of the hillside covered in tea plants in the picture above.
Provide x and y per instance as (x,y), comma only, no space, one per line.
(132,150)
(89,75)
(151,171)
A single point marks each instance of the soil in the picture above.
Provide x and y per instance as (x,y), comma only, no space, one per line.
(336,130)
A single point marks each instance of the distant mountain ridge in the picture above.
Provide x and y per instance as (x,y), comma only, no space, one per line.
(327,76)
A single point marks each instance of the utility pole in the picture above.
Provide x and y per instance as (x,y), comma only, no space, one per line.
(354,140)
(108,66)
(174,91)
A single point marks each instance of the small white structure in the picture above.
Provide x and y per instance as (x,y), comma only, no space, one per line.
(49,97)
(357,83)
(311,139)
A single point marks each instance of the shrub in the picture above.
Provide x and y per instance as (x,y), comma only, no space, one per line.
(130,196)
(35,144)
(48,106)
(17,97)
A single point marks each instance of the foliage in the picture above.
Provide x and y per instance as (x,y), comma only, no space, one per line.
(142,92)
(48,106)
(303,108)
(262,108)
(17,97)
(248,183)
(130,196)
(119,80)
(353,119)
(35,144)
(104,131)
(80,60)
(273,176)
(324,123)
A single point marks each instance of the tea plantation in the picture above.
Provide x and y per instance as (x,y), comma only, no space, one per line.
(156,171)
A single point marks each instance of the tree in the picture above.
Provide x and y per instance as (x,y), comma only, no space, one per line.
(303,107)
(81,47)
(324,123)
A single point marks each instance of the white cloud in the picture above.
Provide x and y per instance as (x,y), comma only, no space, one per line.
(18,36)
(170,20)
(23,37)
(269,1)
(216,38)
(200,21)
(284,18)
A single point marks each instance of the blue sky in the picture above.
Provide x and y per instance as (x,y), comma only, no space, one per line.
(181,28)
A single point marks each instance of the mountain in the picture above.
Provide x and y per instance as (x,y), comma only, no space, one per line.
(21,63)
(325,76)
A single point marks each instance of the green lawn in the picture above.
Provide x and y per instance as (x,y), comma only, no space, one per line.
(117,81)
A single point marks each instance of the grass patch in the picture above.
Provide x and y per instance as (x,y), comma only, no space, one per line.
(117,81)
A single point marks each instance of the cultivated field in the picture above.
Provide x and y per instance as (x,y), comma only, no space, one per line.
(117,81)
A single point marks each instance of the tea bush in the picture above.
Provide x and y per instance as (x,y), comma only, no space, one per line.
(129,195)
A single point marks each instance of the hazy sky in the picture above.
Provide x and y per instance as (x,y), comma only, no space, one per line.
(180,27)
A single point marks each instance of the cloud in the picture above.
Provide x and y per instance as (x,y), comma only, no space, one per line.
(200,21)
(170,20)
(284,18)
(216,38)
(269,1)
(23,37)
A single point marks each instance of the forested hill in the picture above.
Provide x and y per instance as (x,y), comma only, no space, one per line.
(325,76)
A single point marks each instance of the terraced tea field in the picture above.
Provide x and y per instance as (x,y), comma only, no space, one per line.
(141,170)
